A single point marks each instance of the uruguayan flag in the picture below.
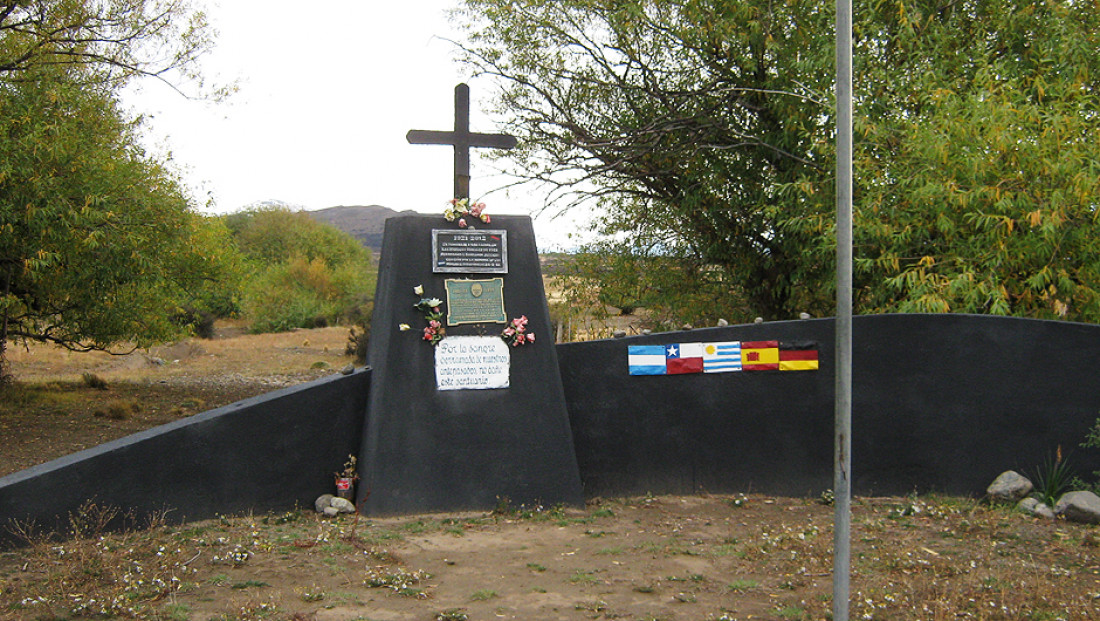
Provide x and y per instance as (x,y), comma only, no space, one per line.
(646,359)
(721,357)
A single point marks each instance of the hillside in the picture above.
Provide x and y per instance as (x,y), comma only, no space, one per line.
(363,222)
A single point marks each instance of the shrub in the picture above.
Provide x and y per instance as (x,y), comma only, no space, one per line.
(91,380)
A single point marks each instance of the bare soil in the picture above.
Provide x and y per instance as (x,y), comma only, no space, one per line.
(52,411)
(650,558)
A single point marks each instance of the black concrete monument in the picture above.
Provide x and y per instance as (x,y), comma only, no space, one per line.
(466,406)
(472,420)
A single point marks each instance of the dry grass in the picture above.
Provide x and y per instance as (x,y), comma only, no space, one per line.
(665,558)
(63,401)
(233,354)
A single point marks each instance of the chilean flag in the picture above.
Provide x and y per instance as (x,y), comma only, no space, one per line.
(684,358)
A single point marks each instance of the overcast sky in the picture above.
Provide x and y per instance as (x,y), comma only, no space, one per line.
(327,91)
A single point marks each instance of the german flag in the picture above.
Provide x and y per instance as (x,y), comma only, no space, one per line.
(759,355)
(798,356)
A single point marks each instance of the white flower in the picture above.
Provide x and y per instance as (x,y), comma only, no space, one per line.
(434,302)
(404,327)
(418,290)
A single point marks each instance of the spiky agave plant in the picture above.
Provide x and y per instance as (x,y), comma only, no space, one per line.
(1053,478)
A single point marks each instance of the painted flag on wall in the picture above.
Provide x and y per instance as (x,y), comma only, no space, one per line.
(684,358)
(760,355)
(722,357)
(646,359)
(798,356)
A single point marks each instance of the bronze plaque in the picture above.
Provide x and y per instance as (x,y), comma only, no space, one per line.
(475,301)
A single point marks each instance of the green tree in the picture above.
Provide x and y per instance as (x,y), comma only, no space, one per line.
(700,127)
(110,41)
(304,273)
(97,241)
(704,129)
(981,167)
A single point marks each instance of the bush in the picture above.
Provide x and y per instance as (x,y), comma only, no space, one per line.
(303,293)
(359,335)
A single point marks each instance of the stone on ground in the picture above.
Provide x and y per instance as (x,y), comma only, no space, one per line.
(1079,507)
(1010,486)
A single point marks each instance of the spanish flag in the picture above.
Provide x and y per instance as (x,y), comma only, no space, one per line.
(798,356)
(759,355)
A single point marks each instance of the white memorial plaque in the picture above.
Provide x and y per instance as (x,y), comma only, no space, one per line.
(471,363)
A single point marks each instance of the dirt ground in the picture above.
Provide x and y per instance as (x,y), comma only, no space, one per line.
(52,411)
(713,558)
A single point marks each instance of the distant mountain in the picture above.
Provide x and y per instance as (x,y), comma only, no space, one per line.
(363,222)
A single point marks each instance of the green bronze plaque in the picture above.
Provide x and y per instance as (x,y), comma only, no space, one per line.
(475,301)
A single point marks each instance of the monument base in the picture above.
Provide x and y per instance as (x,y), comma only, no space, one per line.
(427,449)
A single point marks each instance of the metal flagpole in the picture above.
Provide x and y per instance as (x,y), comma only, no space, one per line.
(842,468)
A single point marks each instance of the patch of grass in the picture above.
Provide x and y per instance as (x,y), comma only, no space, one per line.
(593,606)
(91,380)
(177,612)
(536,567)
(118,409)
(742,585)
(398,580)
(791,612)
(482,595)
(612,551)
(452,614)
(583,577)
(249,584)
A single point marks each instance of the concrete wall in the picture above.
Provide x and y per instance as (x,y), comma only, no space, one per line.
(267,453)
(940,403)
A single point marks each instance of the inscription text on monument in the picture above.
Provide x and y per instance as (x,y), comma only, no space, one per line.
(477,251)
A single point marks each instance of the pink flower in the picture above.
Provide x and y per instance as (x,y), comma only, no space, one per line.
(462,223)
(531,337)
(428,334)
(434,324)
(509,332)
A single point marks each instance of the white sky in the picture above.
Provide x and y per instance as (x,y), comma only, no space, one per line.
(327,91)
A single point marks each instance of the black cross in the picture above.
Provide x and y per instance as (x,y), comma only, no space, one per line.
(461,139)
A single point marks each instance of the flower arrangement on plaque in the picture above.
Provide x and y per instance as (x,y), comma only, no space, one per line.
(460,208)
(516,334)
(432,309)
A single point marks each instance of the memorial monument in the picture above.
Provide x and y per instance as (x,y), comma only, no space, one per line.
(466,407)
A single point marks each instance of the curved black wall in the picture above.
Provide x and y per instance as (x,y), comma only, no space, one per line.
(267,453)
(939,403)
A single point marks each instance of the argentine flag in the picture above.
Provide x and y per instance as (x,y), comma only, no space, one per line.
(646,359)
